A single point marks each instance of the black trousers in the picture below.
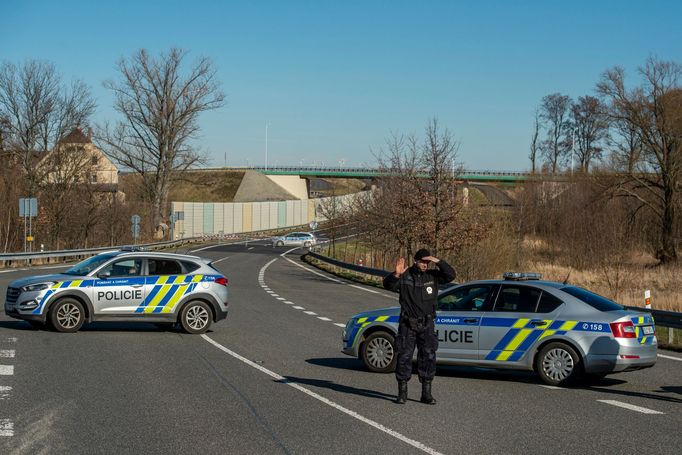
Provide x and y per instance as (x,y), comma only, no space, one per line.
(421,333)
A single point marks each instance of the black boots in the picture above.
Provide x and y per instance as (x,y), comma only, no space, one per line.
(402,392)
(426,393)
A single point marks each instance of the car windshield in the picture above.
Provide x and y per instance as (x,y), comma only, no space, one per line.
(594,300)
(88,265)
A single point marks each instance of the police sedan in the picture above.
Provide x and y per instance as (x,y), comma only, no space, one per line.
(560,331)
(296,239)
(126,286)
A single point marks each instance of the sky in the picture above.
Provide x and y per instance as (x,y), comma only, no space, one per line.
(332,80)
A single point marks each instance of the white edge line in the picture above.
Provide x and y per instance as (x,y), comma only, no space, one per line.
(6,370)
(220,260)
(552,387)
(322,318)
(312,271)
(631,407)
(298,307)
(669,357)
(326,401)
(312,313)
(338,324)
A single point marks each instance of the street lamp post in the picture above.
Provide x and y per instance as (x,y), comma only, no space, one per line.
(267,124)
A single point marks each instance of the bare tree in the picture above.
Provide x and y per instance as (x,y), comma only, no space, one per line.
(37,110)
(554,113)
(417,201)
(653,110)
(439,160)
(534,142)
(625,146)
(160,105)
(590,127)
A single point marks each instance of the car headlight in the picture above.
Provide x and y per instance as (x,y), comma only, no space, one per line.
(36,287)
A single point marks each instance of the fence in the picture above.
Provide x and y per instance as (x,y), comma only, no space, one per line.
(210,218)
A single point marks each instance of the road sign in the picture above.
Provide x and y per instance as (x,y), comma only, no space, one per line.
(136,230)
(135,219)
(29,238)
(28,207)
(313,225)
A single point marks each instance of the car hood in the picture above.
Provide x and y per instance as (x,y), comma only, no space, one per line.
(43,279)
(391,311)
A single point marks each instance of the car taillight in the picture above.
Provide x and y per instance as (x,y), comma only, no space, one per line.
(623,329)
(221,280)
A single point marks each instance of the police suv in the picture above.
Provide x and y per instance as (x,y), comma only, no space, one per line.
(124,285)
(520,322)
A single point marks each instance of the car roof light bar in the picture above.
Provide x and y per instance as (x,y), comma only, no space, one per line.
(519,276)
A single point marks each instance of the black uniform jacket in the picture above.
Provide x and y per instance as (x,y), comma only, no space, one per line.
(419,290)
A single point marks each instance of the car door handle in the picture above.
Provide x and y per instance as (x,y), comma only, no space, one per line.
(471,321)
(537,322)
(138,285)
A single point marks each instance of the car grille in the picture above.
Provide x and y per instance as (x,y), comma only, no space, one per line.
(12,295)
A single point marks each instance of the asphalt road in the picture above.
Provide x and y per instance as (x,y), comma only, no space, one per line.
(272,379)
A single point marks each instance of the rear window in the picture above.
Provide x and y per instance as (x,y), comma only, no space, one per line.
(548,303)
(190,266)
(163,267)
(594,300)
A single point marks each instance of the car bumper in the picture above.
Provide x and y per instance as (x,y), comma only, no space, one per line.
(627,359)
(14,313)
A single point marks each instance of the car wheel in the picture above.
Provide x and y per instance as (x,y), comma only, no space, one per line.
(67,315)
(195,317)
(279,243)
(378,352)
(558,364)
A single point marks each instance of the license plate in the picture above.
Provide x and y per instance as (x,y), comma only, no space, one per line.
(648,330)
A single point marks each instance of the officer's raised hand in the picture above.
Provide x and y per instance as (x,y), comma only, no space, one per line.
(433,259)
(400,267)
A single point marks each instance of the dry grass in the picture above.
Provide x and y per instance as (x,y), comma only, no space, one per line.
(623,283)
(192,186)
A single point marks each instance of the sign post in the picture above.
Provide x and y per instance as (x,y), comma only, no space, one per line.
(28,208)
(175,216)
(135,219)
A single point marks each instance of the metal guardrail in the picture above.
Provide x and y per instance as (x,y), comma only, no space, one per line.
(88,251)
(662,318)
(9,259)
(345,265)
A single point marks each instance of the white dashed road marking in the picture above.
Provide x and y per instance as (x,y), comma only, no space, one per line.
(355,415)
(7,353)
(553,387)
(340,325)
(5,391)
(261,281)
(6,427)
(6,370)
(631,407)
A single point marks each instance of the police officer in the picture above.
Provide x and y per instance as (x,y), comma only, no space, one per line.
(418,288)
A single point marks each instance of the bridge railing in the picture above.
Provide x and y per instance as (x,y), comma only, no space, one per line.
(362,169)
